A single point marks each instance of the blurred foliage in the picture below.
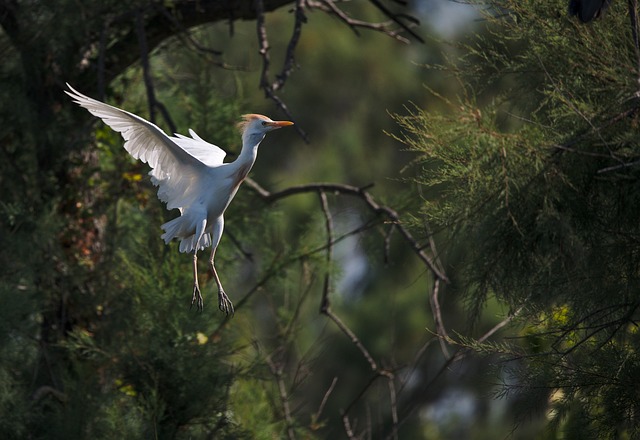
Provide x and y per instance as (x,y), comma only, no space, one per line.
(96,336)
(531,180)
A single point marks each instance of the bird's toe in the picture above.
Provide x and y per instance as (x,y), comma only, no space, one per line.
(224,303)
(197,299)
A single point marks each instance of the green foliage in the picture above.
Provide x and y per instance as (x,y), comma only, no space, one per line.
(531,177)
(96,336)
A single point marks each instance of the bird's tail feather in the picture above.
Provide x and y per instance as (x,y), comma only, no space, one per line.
(188,244)
(173,229)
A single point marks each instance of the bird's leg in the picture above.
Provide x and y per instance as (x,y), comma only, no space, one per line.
(224,303)
(197,296)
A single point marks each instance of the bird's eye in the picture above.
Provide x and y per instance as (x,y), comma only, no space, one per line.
(264,123)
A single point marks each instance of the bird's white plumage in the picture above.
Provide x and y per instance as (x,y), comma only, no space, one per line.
(202,150)
(177,163)
(190,175)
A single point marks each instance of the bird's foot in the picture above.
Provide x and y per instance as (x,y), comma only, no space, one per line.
(224,303)
(197,298)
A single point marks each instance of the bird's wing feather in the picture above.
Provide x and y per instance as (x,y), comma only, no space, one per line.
(207,153)
(173,169)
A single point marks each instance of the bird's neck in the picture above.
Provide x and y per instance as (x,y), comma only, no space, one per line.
(249,151)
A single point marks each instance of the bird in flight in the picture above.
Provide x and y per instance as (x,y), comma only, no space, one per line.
(190,175)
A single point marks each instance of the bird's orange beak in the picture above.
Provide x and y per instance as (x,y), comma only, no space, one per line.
(280,124)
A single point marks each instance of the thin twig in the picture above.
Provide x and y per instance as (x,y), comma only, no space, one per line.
(381,213)
(437,315)
(397,18)
(325,398)
(499,325)
(633,17)
(457,356)
(347,427)
(330,7)
(183,31)
(276,370)
(263,49)
(414,364)
(352,337)
(325,302)
(387,244)
(166,116)
(289,59)
(394,406)
(618,167)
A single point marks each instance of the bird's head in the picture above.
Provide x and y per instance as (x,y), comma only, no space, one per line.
(259,125)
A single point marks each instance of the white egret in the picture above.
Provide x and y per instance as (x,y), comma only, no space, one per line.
(190,175)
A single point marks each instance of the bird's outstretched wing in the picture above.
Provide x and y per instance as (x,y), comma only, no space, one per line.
(207,153)
(176,162)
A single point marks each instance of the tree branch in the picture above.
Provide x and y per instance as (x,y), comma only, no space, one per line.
(437,315)
(266,84)
(289,59)
(330,7)
(393,218)
(146,74)
(276,370)
(325,302)
(316,417)
(397,18)
(633,17)
(177,19)
(368,200)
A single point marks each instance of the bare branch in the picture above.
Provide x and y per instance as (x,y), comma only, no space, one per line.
(499,325)
(383,214)
(352,337)
(633,17)
(394,406)
(266,85)
(166,116)
(325,302)
(397,18)
(619,167)
(186,35)
(457,356)
(263,46)
(146,73)
(387,244)
(369,201)
(316,416)
(276,370)
(347,427)
(330,7)
(437,315)
(289,59)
